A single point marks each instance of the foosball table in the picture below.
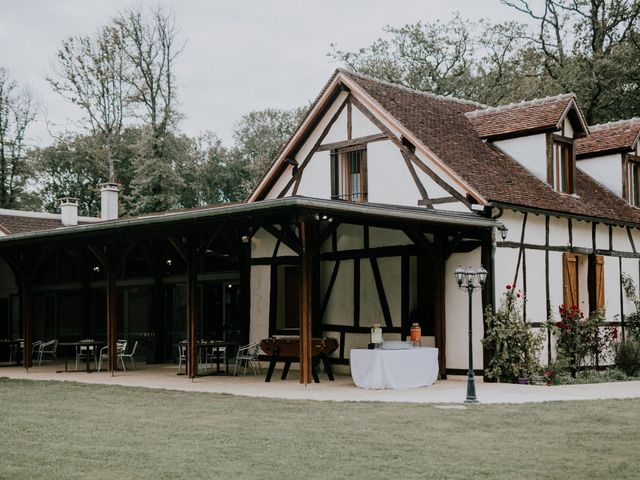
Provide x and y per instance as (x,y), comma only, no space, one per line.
(287,350)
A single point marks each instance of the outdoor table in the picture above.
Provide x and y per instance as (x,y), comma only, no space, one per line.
(398,368)
(10,343)
(287,350)
(95,346)
(217,344)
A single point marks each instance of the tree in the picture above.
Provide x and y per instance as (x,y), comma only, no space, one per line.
(590,47)
(259,137)
(17,112)
(66,169)
(91,73)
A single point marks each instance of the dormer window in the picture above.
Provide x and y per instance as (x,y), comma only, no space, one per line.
(349,174)
(563,165)
(633,175)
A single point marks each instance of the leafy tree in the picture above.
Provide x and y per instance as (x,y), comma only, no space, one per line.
(259,137)
(591,47)
(17,112)
(91,73)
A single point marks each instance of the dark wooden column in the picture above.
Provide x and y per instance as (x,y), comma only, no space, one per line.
(487,253)
(112,317)
(192,314)
(305,304)
(439,263)
(26,306)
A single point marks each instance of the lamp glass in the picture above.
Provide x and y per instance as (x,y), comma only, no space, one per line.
(482,275)
(459,273)
(470,274)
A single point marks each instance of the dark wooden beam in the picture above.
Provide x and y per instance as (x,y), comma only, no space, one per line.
(376,137)
(305,306)
(382,297)
(313,150)
(411,155)
(424,196)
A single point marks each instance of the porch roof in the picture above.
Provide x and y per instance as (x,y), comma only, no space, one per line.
(254,212)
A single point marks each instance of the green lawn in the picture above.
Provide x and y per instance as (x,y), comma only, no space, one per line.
(64,430)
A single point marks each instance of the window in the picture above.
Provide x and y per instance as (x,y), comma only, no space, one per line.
(564,166)
(633,182)
(349,174)
(583,281)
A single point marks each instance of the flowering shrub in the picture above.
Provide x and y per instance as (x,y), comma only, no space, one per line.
(550,375)
(632,320)
(580,339)
(513,344)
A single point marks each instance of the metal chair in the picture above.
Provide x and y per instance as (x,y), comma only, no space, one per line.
(129,355)
(121,345)
(85,352)
(213,354)
(48,348)
(248,355)
(182,355)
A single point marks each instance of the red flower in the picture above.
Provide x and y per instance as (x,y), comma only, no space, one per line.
(615,332)
(518,295)
(508,287)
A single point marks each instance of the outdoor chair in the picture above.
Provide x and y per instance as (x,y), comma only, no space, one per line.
(211,355)
(129,355)
(85,352)
(248,355)
(182,355)
(47,348)
(35,348)
(121,346)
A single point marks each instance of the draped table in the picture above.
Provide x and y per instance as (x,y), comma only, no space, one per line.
(399,368)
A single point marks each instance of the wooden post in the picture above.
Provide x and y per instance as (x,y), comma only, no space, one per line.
(439,307)
(305,305)
(112,317)
(192,313)
(27,318)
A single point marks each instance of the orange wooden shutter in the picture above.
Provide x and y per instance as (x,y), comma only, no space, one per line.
(570,279)
(599,282)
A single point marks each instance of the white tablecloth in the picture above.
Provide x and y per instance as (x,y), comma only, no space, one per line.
(378,368)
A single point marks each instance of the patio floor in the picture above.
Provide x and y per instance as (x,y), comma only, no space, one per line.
(342,389)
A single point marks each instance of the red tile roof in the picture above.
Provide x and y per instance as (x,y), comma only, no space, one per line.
(609,137)
(441,124)
(17,223)
(521,118)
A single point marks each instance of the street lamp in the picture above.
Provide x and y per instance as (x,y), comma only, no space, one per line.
(464,279)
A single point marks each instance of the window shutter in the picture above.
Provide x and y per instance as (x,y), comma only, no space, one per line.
(599,282)
(570,279)
(334,174)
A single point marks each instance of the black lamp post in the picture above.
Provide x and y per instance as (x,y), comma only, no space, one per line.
(464,278)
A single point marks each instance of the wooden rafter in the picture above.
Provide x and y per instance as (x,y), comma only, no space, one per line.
(423,192)
(307,159)
(376,137)
(411,155)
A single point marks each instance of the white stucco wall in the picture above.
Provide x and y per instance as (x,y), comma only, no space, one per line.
(536,295)
(389,179)
(260,288)
(620,239)
(535,229)
(612,287)
(582,234)
(530,151)
(340,306)
(316,180)
(457,315)
(606,169)
(361,126)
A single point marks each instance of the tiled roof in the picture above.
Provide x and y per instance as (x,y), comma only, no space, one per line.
(16,223)
(520,118)
(441,124)
(614,136)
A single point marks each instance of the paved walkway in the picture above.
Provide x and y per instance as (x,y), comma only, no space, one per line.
(343,389)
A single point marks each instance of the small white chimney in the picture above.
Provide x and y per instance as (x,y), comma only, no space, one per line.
(69,211)
(109,201)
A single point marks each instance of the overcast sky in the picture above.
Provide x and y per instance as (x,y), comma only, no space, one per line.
(239,55)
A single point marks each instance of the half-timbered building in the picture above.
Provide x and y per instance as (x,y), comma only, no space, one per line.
(379,195)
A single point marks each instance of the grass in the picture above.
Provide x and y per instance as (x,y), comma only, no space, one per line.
(63,430)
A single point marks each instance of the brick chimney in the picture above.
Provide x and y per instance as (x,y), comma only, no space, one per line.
(69,211)
(109,201)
